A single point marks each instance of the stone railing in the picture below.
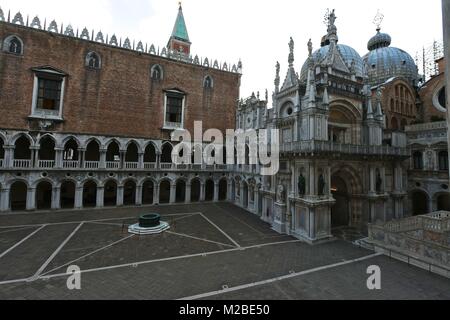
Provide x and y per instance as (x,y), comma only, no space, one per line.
(91,164)
(314,146)
(23,164)
(427,126)
(46,164)
(113,41)
(70,164)
(436,222)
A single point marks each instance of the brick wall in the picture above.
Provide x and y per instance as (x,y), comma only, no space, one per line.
(118,100)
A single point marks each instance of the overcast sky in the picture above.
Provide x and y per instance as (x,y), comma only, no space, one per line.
(256,31)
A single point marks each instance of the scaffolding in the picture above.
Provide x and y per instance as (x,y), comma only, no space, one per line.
(426,60)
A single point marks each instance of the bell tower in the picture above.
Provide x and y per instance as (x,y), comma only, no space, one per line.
(179,40)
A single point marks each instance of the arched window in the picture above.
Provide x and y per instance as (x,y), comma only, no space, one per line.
(208,82)
(443,161)
(156,73)
(93,60)
(13,44)
(418,160)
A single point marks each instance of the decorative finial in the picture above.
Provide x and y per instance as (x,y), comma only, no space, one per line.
(330,18)
(179,4)
(291,53)
(378,20)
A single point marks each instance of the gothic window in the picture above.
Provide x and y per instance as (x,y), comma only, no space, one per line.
(13,44)
(443,161)
(48,93)
(208,82)
(156,73)
(418,160)
(93,60)
(174,109)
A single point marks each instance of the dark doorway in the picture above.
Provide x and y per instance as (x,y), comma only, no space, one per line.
(443,202)
(244,194)
(18,196)
(195,190)
(129,193)
(181,191)
(44,196)
(90,194)
(110,197)
(419,203)
(164,192)
(147,192)
(68,195)
(340,213)
(223,190)
(209,190)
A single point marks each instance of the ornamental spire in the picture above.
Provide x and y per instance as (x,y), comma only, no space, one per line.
(291,53)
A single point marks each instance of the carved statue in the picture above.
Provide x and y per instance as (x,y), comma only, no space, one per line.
(280,194)
(332,18)
(301,185)
(277,66)
(310,48)
(379,183)
(321,185)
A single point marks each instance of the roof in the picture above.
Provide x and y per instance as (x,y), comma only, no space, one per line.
(179,30)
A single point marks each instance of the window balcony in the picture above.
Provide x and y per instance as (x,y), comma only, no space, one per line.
(22,164)
(167,166)
(46,164)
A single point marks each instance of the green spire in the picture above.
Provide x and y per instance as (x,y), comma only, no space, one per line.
(179,30)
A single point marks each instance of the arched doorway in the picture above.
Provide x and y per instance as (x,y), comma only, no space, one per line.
(150,156)
(181,191)
(110,196)
(209,190)
(47,151)
(223,190)
(68,195)
(132,155)
(443,202)
(147,192)
(44,195)
(18,196)
(90,194)
(195,190)
(129,193)
(164,192)
(340,212)
(113,154)
(22,149)
(419,203)
(166,156)
(92,151)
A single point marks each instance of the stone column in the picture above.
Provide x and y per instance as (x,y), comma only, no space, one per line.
(230,191)
(256,200)
(9,156)
(79,197)
(139,195)
(216,191)
(31,199)
(100,197)
(188,193)
(59,153)
(241,194)
(158,160)
(202,192)
(123,154)
(398,174)
(141,161)
(81,158)
(372,179)
(4,200)
(102,164)
(173,193)
(156,193)
(120,196)
(56,196)
(312,180)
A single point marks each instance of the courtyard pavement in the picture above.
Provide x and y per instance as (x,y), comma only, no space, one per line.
(212,251)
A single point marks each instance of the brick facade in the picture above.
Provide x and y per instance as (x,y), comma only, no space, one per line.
(118,100)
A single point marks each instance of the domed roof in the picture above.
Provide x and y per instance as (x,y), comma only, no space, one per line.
(348,54)
(385,62)
(380,40)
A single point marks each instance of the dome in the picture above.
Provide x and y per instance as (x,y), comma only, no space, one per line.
(348,54)
(384,62)
(380,40)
